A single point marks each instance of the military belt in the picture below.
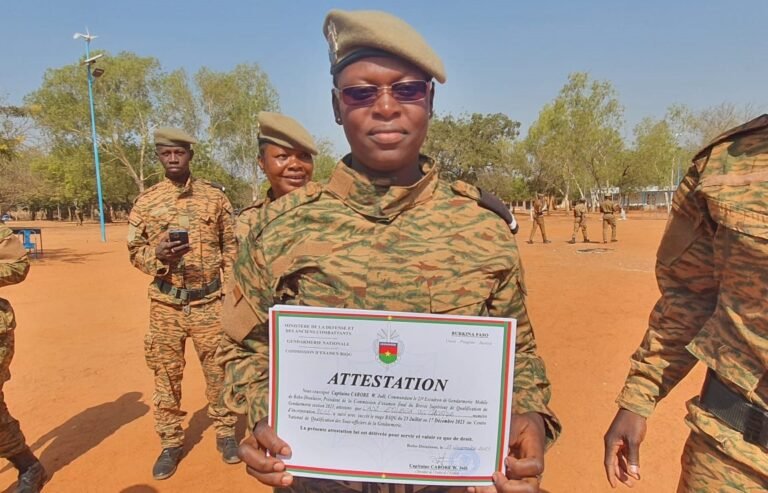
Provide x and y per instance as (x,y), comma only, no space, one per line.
(186,295)
(734,410)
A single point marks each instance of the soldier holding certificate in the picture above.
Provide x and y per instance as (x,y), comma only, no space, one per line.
(385,233)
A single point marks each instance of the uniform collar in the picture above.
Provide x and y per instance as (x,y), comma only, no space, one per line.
(181,189)
(377,198)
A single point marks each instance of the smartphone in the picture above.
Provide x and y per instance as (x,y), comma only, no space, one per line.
(179,235)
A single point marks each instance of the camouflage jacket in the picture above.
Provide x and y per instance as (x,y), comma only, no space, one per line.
(353,243)
(580,213)
(247,216)
(712,270)
(205,212)
(14,266)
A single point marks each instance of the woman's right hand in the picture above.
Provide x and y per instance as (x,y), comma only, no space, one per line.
(260,453)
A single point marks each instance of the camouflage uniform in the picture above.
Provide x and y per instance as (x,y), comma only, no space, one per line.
(205,212)
(712,270)
(538,220)
(607,207)
(580,221)
(247,216)
(14,266)
(354,243)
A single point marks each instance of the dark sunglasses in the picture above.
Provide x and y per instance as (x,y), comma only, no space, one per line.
(406,91)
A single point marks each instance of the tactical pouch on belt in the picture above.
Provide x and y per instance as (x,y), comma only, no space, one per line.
(735,411)
(184,295)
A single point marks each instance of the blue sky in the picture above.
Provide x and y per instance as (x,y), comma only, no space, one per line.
(501,56)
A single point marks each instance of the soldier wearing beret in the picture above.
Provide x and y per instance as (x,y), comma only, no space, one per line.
(366,240)
(14,266)
(286,153)
(580,220)
(712,270)
(539,205)
(181,233)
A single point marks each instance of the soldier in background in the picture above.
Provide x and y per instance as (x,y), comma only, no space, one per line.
(539,205)
(181,233)
(580,220)
(14,266)
(712,269)
(78,215)
(314,246)
(607,207)
(286,153)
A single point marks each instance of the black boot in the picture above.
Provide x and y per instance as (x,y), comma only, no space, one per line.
(32,476)
(32,480)
(166,463)
(228,448)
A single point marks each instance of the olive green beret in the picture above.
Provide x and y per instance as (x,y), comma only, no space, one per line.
(167,136)
(353,35)
(285,132)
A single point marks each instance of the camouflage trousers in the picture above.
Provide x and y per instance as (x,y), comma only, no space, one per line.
(609,222)
(309,485)
(12,440)
(708,470)
(538,222)
(580,225)
(164,346)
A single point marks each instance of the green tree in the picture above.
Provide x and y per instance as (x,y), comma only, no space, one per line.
(576,141)
(470,146)
(127,108)
(325,160)
(230,102)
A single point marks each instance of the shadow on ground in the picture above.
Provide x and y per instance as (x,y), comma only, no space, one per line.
(199,422)
(63,255)
(139,488)
(84,431)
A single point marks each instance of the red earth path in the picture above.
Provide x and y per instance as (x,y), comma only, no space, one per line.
(82,391)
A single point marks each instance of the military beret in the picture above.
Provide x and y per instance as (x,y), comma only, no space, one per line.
(353,35)
(167,136)
(285,132)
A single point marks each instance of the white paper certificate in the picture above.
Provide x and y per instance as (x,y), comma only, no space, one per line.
(391,397)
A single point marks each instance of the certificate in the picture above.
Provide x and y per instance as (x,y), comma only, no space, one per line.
(391,397)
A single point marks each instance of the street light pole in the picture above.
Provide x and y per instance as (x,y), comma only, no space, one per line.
(88,62)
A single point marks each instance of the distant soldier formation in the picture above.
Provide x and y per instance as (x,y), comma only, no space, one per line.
(388,232)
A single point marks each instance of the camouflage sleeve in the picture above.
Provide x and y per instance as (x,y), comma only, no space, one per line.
(227,239)
(14,263)
(532,390)
(685,275)
(246,363)
(141,252)
(246,377)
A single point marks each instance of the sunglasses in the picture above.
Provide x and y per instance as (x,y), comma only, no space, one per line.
(406,91)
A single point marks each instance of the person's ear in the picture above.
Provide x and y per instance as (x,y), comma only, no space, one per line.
(336,108)
(191,153)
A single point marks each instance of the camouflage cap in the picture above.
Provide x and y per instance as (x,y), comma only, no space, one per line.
(285,132)
(353,35)
(168,136)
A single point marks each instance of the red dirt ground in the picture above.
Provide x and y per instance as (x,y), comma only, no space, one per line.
(83,393)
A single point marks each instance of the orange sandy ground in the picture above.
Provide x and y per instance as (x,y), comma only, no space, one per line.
(83,393)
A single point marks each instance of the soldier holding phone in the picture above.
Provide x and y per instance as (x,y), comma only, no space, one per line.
(181,232)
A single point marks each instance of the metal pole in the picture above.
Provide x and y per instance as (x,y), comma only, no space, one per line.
(95,141)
